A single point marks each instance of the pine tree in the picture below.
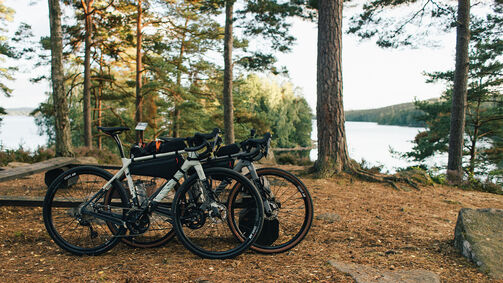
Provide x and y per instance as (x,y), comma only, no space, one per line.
(484,100)
(62,123)
(333,155)
(393,33)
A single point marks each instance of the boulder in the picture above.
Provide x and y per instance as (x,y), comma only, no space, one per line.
(479,237)
(363,274)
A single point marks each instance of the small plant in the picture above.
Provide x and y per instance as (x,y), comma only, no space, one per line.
(365,165)
(475,184)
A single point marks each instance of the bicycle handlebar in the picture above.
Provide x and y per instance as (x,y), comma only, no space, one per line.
(199,141)
(196,148)
(256,142)
(259,145)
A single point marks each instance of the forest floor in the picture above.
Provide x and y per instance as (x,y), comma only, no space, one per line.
(374,225)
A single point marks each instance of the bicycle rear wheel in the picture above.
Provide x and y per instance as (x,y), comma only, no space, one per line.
(201,218)
(76,231)
(292,211)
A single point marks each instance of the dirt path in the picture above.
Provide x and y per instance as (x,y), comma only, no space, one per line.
(355,221)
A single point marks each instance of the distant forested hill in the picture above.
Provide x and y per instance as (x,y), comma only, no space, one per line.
(400,114)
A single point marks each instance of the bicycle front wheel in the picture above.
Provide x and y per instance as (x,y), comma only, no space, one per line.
(74,211)
(202,213)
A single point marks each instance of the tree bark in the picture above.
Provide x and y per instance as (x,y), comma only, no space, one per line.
(88,134)
(176,112)
(139,98)
(227,91)
(62,122)
(456,141)
(332,148)
(98,101)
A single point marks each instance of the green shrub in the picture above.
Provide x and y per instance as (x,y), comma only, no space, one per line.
(478,185)
(293,158)
(103,156)
(25,156)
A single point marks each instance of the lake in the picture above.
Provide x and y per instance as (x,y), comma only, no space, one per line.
(20,130)
(367,141)
(372,143)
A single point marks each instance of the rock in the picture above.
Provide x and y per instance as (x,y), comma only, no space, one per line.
(329,217)
(363,274)
(15,164)
(479,237)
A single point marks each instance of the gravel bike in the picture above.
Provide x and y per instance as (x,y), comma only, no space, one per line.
(288,206)
(87,210)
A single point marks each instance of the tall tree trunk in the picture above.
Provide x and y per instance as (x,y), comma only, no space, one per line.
(473,150)
(332,148)
(176,116)
(227,92)
(88,133)
(139,98)
(62,122)
(98,101)
(475,135)
(455,159)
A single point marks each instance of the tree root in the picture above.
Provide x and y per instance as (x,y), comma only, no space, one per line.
(380,178)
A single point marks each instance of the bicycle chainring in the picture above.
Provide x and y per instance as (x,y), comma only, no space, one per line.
(138,222)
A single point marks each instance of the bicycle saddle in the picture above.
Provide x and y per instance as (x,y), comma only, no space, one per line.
(113,130)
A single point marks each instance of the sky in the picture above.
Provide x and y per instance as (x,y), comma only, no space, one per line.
(372,77)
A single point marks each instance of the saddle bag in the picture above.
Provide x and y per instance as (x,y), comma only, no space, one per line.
(270,228)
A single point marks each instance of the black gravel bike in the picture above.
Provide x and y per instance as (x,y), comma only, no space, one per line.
(288,207)
(87,210)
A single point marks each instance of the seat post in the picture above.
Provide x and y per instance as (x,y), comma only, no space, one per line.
(119,145)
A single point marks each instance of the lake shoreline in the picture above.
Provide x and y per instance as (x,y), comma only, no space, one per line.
(366,141)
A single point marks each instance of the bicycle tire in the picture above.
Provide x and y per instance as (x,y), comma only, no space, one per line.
(292,227)
(216,241)
(76,233)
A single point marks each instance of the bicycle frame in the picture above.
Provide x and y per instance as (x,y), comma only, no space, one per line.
(157,196)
